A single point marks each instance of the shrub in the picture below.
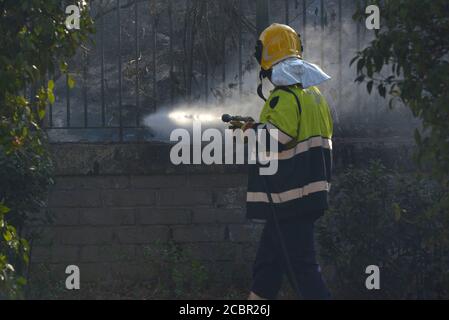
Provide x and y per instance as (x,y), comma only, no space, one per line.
(179,275)
(407,61)
(25,177)
(379,217)
(34,44)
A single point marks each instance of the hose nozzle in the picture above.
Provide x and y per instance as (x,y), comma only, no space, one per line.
(228,118)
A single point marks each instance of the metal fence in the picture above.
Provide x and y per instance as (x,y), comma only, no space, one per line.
(131,33)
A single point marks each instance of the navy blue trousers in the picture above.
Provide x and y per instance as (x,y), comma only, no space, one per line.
(271,265)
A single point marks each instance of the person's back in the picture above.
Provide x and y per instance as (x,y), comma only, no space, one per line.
(302,181)
(296,195)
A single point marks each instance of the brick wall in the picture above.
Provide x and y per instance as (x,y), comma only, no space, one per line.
(111,203)
(101,220)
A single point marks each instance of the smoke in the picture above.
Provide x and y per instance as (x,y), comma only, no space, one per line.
(355,112)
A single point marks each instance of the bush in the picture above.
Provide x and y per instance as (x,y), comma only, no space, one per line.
(179,275)
(10,245)
(25,177)
(35,44)
(382,218)
(407,62)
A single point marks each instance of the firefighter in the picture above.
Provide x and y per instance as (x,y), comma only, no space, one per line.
(291,200)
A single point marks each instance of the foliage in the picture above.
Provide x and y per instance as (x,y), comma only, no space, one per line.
(34,42)
(168,270)
(179,275)
(408,60)
(10,244)
(378,217)
(46,284)
(383,218)
(25,174)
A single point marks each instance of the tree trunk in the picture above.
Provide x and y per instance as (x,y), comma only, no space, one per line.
(187,51)
(240,10)
(170,25)
(136,35)
(191,46)
(223,48)
(340,56)
(154,23)
(206,55)
(304,23)
(322,33)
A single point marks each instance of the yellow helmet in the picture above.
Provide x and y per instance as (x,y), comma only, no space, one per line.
(276,43)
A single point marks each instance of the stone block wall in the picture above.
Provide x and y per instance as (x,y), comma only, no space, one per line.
(112,203)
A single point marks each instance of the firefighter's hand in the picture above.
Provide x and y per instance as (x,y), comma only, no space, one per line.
(241,125)
(236,125)
(248,125)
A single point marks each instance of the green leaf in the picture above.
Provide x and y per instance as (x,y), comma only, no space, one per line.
(353,60)
(3,209)
(41,114)
(63,66)
(25,132)
(360,64)
(21,101)
(397,211)
(51,85)
(369,86)
(382,90)
(70,81)
(360,78)
(21,281)
(51,97)
(8,236)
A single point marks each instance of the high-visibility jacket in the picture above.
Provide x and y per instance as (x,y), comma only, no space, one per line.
(305,128)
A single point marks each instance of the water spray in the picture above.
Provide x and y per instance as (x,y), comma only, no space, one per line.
(181,117)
